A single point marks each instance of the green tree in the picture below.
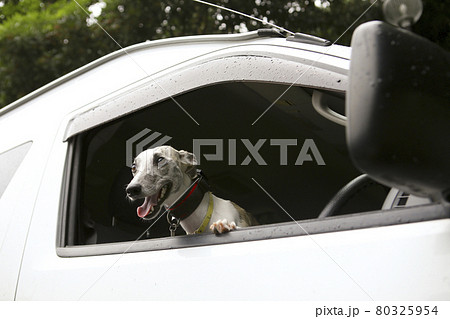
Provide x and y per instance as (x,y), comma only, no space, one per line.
(39,43)
(43,40)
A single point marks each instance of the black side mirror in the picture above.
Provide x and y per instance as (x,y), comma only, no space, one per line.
(398,110)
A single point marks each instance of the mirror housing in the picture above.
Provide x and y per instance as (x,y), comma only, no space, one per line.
(398,110)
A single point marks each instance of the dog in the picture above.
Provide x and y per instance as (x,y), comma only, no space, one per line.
(168,180)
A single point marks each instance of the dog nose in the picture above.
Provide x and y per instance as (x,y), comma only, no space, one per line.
(133,190)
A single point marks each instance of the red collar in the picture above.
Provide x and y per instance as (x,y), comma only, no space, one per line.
(190,200)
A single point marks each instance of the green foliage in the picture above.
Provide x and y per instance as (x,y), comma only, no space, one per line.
(39,44)
(43,40)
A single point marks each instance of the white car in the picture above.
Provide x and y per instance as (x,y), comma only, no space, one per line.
(265,115)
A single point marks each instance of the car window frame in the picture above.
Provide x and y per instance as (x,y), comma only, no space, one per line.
(115,109)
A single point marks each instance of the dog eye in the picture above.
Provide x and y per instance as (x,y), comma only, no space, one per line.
(160,162)
(133,168)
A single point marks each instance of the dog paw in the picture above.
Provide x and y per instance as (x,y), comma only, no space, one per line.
(222,226)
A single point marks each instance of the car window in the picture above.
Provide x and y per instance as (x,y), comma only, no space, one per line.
(293,152)
(10,162)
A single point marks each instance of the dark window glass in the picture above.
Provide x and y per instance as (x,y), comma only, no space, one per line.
(302,160)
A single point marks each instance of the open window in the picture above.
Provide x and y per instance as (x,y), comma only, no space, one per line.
(297,155)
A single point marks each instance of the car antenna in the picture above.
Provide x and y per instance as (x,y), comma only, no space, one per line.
(245,15)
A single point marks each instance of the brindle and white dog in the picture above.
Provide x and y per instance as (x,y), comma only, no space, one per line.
(167,179)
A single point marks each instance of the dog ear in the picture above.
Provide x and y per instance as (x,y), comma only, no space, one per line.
(188,163)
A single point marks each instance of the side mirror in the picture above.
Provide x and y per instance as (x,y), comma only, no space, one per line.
(398,110)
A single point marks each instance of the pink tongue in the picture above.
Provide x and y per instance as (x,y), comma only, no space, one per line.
(145,208)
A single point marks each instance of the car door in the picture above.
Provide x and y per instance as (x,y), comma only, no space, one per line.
(252,113)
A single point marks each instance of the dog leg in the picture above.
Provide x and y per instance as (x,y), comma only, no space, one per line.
(222,226)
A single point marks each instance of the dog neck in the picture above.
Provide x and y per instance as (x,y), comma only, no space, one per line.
(192,204)
(192,223)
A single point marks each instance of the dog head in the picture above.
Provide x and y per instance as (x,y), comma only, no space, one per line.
(160,174)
